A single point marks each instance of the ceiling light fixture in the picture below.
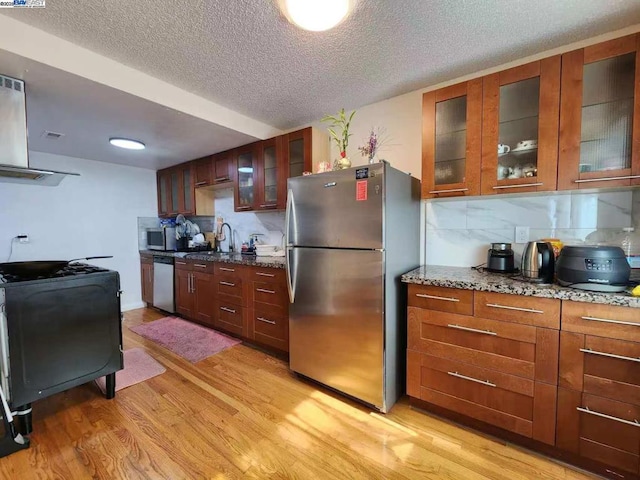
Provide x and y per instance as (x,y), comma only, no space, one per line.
(127,143)
(316,15)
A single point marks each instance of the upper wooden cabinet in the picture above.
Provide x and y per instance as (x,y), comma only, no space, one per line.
(451,140)
(203,171)
(269,175)
(222,167)
(176,190)
(245,165)
(600,115)
(520,128)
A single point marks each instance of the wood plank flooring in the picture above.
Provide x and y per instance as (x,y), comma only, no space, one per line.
(242,414)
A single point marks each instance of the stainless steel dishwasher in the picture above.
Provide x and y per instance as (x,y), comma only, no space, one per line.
(163,296)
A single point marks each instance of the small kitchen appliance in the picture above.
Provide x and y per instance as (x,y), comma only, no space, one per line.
(500,258)
(163,239)
(595,268)
(538,262)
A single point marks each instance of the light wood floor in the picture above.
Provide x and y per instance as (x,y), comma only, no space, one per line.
(242,414)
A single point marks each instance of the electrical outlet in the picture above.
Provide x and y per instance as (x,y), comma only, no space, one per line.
(23,238)
(522,234)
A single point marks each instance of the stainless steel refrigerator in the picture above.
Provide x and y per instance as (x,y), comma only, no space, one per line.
(350,235)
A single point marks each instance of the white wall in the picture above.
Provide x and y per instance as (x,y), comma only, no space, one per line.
(94,214)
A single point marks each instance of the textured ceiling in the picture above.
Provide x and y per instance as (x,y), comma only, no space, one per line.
(243,54)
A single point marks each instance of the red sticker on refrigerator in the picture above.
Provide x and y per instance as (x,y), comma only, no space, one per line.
(361,190)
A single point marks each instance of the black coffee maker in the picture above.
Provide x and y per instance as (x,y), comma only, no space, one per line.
(500,258)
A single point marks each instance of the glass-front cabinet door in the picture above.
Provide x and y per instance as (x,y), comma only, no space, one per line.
(297,151)
(520,128)
(164,192)
(270,175)
(186,175)
(600,116)
(245,173)
(451,139)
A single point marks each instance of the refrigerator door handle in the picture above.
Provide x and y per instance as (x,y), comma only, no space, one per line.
(290,274)
(288,247)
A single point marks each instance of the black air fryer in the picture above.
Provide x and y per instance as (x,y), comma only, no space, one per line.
(595,268)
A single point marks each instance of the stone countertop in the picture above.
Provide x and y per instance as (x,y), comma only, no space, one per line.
(236,258)
(470,279)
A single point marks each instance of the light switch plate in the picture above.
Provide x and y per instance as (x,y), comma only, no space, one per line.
(522,234)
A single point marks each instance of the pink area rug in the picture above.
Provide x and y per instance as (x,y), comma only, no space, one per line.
(186,339)
(138,367)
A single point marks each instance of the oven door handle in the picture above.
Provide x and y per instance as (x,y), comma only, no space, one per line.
(3,343)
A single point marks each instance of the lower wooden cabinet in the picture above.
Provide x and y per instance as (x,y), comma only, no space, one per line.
(185,300)
(203,288)
(146,279)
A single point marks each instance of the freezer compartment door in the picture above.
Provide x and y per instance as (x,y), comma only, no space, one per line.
(336,209)
(336,323)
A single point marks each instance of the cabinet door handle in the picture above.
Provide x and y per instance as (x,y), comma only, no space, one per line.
(435,297)
(471,379)
(523,185)
(189,283)
(193,283)
(265,274)
(468,329)
(268,205)
(635,423)
(606,179)
(247,207)
(224,269)
(225,309)
(518,309)
(610,355)
(228,284)
(262,319)
(264,290)
(204,182)
(606,320)
(451,190)
(222,179)
(199,265)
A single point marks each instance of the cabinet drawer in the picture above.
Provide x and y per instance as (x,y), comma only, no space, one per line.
(601,366)
(270,293)
(442,299)
(541,312)
(270,275)
(600,429)
(601,320)
(182,264)
(230,289)
(230,317)
(146,259)
(271,329)
(227,269)
(202,266)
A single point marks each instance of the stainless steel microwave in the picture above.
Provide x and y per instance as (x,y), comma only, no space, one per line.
(161,238)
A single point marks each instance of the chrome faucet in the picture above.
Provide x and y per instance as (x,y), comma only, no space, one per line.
(230,236)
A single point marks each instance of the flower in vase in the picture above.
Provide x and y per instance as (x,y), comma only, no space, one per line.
(372,144)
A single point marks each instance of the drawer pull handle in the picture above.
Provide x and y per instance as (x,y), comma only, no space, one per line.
(225,309)
(262,319)
(522,185)
(635,423)
(228,284)
(451,190)
(264,290)
(518,309)
(199,265)
(606,320)
(225,269)
(468,329)
(610,355)
(471,379)
(180,263)
(606,179)
(435,297)
(265,274)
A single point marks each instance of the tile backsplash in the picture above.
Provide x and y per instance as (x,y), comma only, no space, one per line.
(458,232)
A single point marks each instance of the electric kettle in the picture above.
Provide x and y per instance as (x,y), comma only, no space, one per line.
(538,262)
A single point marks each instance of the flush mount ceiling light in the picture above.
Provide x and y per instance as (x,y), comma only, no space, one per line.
(316,15)
(127,143)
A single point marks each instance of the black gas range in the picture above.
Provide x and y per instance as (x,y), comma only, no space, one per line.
(57,332)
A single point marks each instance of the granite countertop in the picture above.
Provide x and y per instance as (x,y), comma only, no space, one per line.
(236,258)
(469,279)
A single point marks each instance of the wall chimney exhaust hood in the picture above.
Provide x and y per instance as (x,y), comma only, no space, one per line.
(14,156)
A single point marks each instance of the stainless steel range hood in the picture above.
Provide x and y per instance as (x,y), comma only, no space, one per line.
(14,156)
